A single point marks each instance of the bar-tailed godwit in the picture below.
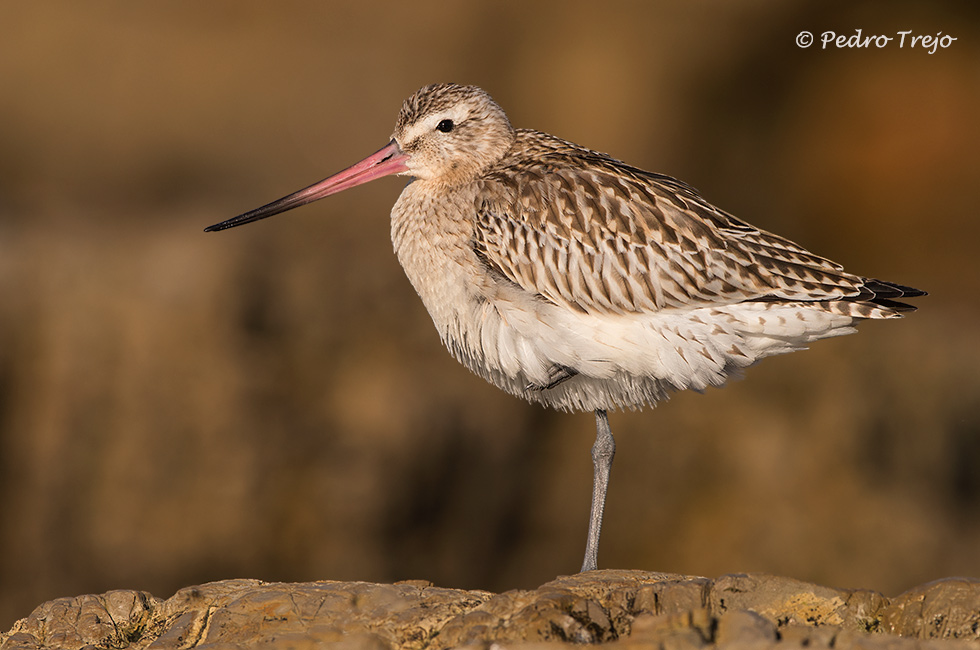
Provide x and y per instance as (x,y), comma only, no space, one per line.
(571,279)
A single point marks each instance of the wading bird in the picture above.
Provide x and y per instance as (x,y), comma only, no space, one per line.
(571,279)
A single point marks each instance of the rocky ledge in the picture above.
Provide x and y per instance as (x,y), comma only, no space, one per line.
(626,608)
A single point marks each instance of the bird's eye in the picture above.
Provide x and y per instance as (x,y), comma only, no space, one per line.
(445,126)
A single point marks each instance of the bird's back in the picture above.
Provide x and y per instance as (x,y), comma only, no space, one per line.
(588,231)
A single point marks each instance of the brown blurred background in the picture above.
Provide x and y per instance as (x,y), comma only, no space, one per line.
(273,402)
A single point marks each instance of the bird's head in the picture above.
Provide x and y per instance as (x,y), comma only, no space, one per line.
(445,133)
(451,133)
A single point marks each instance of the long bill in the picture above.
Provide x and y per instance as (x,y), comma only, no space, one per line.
(390,159)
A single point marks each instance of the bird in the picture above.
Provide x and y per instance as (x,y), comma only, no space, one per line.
(577,281)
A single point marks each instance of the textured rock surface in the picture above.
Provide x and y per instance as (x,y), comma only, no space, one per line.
(627,608)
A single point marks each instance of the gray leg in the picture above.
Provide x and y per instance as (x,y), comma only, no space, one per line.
(602,456)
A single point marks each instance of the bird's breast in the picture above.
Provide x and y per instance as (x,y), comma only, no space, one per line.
(480,316)
(432,233)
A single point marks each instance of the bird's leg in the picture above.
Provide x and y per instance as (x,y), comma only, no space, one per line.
(556,375)
(602,457)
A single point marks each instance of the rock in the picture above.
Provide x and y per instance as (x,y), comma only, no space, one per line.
(629,609)
(945,609)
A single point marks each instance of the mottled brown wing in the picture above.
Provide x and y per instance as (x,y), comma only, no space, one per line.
(602,237)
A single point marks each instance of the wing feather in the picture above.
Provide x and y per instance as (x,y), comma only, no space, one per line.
(586,231)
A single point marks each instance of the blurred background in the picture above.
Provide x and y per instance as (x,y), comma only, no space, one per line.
(273,402)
